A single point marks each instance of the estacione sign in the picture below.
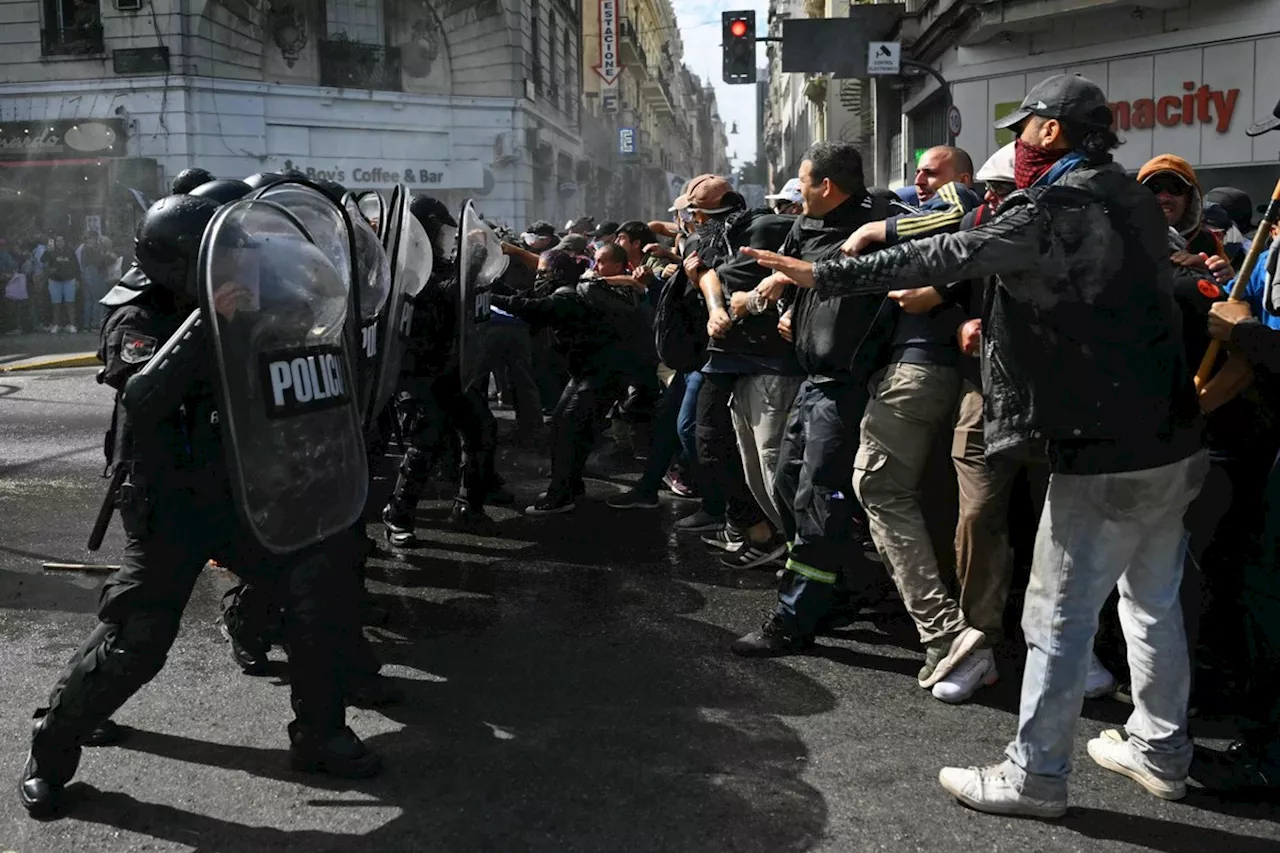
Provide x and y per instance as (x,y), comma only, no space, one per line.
(1202,105)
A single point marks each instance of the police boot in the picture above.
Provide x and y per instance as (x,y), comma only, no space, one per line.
(339,753)
(398,520)
(51,764)
(248,647)
(468,519)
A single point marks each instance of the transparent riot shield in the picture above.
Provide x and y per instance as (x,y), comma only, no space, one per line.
(373,272)
(481,262)
(278,312)
(373,208)
(409,250)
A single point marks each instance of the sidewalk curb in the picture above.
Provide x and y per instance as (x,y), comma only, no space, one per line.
(51,362)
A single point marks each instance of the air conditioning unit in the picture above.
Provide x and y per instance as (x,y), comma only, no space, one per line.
(129,5)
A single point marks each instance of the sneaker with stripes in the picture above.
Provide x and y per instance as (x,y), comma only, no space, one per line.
(752,555)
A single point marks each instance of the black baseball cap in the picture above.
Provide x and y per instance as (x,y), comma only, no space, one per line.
(542,228)
(1066,97)
(1262,127)
(605,229)
(1235,202)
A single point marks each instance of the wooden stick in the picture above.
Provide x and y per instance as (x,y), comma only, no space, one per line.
(80,567)
(1261,240)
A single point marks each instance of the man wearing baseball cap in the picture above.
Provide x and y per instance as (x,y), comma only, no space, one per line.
(1080,349)
(704,194)
(787,200)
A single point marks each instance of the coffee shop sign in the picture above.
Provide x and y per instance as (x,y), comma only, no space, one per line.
(364,176)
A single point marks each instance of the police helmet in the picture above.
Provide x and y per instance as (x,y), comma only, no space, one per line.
(168,240)
(263,179)
(438,222)
(293,175)
(188,180)
(332,189)
(224,191)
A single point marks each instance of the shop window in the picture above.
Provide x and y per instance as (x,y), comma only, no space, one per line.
(71,27)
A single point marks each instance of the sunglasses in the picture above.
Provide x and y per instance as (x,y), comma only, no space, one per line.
(1168,185)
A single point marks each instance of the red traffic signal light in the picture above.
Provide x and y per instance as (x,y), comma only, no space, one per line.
(739,37)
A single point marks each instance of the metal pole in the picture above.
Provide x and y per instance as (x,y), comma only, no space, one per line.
(946,93)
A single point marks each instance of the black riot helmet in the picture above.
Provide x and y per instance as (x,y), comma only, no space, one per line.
(263,179)
(168,240)
(293,175)
(439,224)
(223,192)
(188,180)
(334,190)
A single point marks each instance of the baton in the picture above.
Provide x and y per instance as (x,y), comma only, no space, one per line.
(1260,240)
(108,507)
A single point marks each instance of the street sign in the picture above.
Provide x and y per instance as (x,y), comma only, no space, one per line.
(884,58)
(609,100)
(627,141)
(953,120)
(610,67)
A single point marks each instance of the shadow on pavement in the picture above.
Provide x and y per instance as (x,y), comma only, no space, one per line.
(575,709)
(1165,836)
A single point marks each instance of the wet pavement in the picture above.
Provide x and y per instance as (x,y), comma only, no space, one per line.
(568,688)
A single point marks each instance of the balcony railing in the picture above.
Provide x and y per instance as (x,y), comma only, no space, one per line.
(630,43)
(353,65)
(80,40)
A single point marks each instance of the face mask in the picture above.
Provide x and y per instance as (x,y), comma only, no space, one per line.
(1030,162)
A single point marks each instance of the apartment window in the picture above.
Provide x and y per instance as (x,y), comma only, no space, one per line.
(571,71)
(71,27)
(357,20)
(553,76)
(535,36)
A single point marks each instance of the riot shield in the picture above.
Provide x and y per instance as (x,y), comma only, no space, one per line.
(373,208)
(373,270)
(481,262)
(409,251)
(278,312)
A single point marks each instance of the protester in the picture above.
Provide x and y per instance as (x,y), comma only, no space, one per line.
(1125,453)
(1176,187)
(788,200)
(62,270)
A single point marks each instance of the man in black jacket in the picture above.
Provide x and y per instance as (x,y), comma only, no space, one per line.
(1080,347)
(839,344)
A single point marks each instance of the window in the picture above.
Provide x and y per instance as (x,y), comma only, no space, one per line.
(571,70)
(535,36)
(357,20)
(72,27)
(553,76)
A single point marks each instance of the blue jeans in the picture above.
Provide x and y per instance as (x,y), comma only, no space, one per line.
(686,426)
(1097,531)
(665,443)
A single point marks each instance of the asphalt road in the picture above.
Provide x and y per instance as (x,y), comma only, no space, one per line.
(569,688)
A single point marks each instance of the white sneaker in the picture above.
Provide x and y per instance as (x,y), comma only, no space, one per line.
(71,330)
(1099,682)
(1112,751)
(990,790)
(53,330)
(961,646)
(978,669)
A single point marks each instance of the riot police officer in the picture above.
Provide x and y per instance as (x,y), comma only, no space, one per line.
(434,403)
(188,179)
(176,507)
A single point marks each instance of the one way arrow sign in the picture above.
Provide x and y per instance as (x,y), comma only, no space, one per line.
(610,67)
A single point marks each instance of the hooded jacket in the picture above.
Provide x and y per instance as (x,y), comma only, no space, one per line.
(1082,341)
(1191,226)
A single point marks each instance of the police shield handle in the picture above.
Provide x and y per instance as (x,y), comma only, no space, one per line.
(1260,241)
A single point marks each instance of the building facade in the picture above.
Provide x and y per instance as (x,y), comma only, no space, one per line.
(1185,77)
(101,105)
(649,124)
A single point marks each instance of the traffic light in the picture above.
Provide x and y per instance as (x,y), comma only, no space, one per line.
(739,46)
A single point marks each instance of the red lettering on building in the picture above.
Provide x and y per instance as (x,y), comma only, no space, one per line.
(1201,105)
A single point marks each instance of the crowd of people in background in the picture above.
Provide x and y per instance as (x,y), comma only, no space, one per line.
(52,284)
(877,394)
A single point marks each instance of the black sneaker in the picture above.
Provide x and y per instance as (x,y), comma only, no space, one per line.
(1240,770)
(770,640)
(341,754)
(727,538)
(700,522)
(548,505)
(753,555)
(633,499)
(397,519)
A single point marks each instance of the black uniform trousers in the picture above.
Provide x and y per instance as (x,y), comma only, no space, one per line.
(435,410)
(821,516)
(579,415)
(719,461)
(141,607)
